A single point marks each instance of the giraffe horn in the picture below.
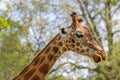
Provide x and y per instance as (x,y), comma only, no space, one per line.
(74,13)
(77,22)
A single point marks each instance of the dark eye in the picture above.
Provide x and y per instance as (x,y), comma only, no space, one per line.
(63,31)
(79,35)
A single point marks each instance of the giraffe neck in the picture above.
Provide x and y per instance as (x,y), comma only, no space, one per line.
(43,62)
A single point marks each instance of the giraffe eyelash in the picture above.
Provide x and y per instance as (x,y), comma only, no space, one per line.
(79,34)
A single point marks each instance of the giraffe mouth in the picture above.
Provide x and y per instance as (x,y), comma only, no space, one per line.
(98,57)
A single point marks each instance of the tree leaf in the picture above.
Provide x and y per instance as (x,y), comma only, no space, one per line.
(3,24)
(113,2)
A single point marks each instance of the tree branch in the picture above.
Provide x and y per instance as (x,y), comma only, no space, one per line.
(117,31)
(84,14)
(115,10)
(72,64)
(98,13)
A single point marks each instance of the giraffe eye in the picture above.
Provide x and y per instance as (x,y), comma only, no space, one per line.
(79,35)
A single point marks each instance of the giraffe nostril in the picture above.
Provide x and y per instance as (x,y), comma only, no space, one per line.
(104,57)
(97,58)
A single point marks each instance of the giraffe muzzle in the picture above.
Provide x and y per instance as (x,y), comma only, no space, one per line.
(99,56)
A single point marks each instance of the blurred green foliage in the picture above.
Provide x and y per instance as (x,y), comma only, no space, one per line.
(11,55)
(56,78)
(113,2)
(3,24)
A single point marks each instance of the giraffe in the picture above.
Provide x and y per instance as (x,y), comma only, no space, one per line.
(74,37)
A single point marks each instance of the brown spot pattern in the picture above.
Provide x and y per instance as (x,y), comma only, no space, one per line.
(82,50)
(77,49)
(69,48)
(29,74)
(67,45)
(80,46)
(55,58)
(87,50)
(25,70)
(72,45)
(35,77)
(60,44)
(36,61)
(67,41)
(42,59)
(55,49)
(77,44)
(64,49)
(48,49)
(59,52)
(50,57)
(72,40)
(44,68)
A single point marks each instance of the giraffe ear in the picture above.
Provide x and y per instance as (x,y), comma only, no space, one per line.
(63,31)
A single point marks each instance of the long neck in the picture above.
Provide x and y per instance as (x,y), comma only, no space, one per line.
(43,62)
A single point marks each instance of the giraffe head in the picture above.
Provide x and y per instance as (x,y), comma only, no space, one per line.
(79,39)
